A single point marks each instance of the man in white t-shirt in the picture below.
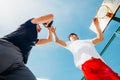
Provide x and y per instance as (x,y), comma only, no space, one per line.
(86,57)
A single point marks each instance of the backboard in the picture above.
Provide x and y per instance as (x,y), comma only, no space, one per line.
(105,13)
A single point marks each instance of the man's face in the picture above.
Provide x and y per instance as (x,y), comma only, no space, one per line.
(73,38)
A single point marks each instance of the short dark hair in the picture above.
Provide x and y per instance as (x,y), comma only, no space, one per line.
(72,34)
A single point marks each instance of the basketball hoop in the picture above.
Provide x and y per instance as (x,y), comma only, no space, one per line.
(103,12)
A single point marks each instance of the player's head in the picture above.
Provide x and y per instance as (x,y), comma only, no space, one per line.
(73,37)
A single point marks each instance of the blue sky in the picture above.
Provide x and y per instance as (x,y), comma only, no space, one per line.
(51,61)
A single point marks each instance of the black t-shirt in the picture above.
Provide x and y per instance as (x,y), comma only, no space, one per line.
(24,38)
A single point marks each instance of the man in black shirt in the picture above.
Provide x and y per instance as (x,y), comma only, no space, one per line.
(15,48)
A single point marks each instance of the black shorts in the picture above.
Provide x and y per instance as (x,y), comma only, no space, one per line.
(12,66)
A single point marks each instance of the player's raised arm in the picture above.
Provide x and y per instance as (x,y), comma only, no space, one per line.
(99,37)
(57,40)
(45,40)
(45,19)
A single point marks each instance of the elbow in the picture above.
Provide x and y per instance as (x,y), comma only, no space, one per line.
(98,39)
(51,16)
(101,38)
(56,40)
(50,40)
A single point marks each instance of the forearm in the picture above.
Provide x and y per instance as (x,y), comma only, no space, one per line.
(45,41)
(99,31)
(58,41)
(49,36)
(43,19)
(99,37)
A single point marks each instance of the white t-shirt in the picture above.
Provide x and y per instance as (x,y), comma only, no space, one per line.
(82,51)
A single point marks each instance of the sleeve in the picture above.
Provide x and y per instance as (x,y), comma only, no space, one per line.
(28,23)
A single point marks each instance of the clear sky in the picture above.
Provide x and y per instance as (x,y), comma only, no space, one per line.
(51,61)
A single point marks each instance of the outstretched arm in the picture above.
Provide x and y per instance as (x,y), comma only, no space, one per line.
(99,37)
(56,39)
(45,41)
(43,19)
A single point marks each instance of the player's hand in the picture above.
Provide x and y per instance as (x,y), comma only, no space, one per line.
(53,29)
(96,21)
